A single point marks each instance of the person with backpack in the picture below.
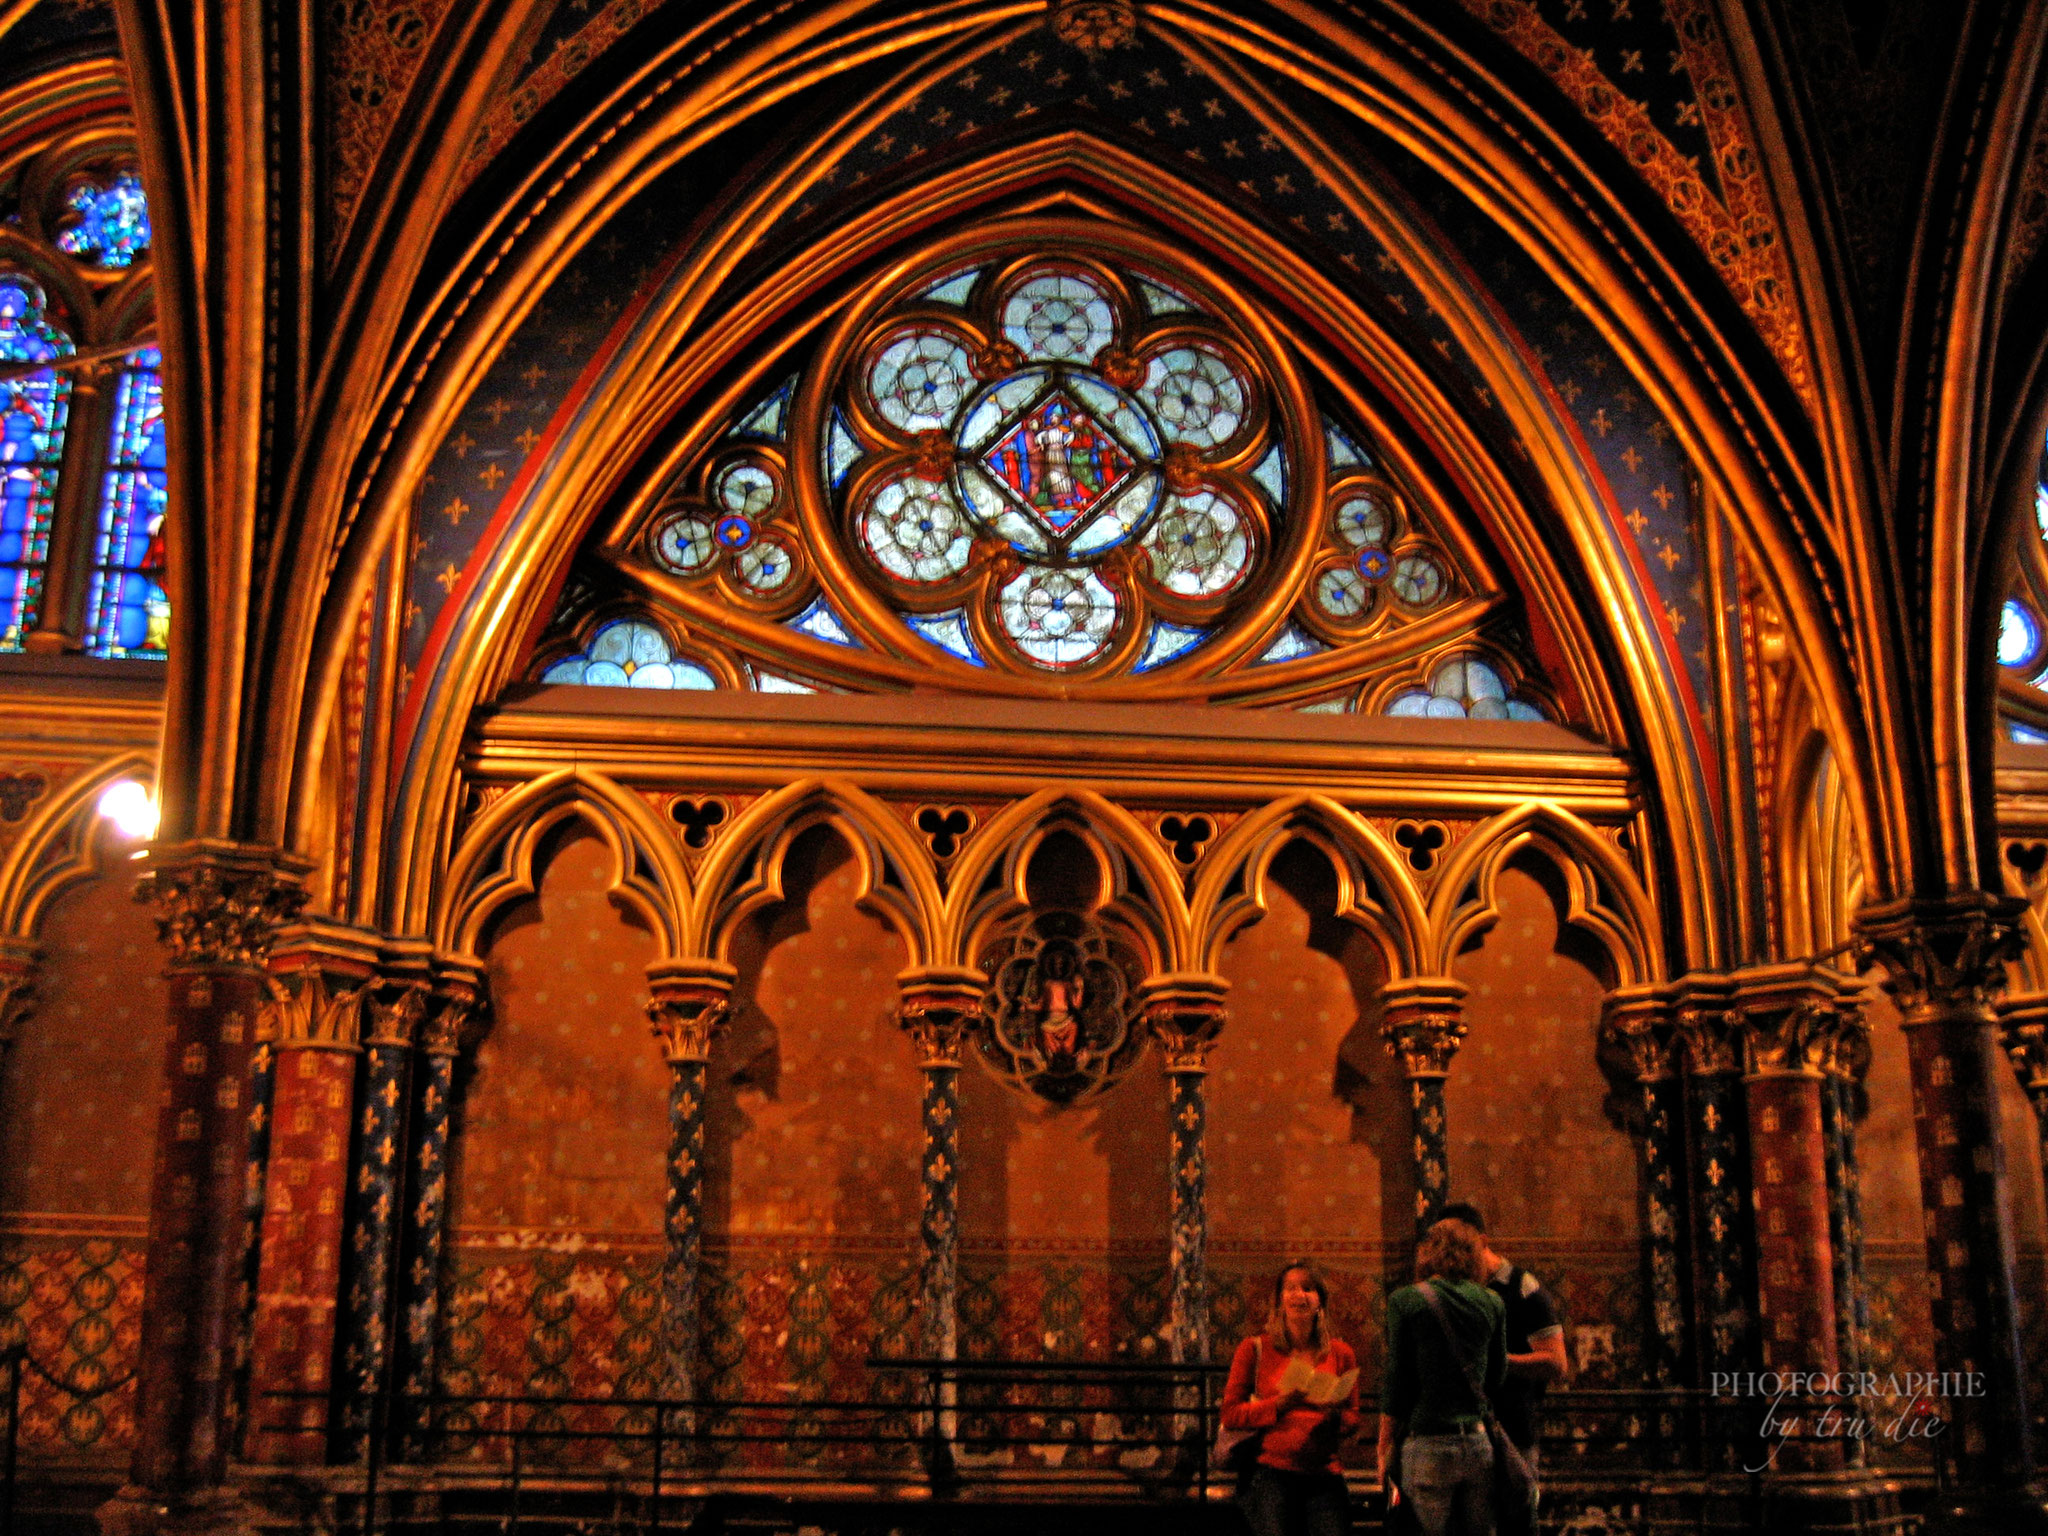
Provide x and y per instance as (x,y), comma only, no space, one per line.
(1291,1399)
(1446,1351)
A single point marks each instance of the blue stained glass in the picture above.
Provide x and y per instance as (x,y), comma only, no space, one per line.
(1344,453)
(769,417)
(32,414)
(127,612)
(2019,636)
(949,632)
(109,225)
(2026,736)
(820,621)
(1166,642)
(627,653)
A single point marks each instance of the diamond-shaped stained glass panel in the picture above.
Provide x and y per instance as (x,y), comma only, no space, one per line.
(1058,462)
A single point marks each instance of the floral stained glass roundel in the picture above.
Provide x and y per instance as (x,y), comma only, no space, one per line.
(1048,451)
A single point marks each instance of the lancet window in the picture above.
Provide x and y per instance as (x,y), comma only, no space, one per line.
(81,440)
(1037,469)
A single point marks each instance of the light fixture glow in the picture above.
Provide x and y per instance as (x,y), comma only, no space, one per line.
(130,808)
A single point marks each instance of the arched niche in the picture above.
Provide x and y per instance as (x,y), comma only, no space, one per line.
(1531,1138)
(1309,1131)
(78,1086)
(560,1148)
(812,1134)
(1063,1207)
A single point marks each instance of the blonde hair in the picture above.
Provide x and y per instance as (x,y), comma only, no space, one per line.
(1453,1249)
(1321,1336)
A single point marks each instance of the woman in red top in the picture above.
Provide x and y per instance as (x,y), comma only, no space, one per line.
(1296,1488)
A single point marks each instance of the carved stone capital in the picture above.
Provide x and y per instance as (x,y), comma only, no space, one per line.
(937,1006)
(1186,1011)
(1943,956)
(222,903)
(454,1004)
(1796,1020)
(395,1010)
(1637,1039)
(1422,1019)
(19,971)
(689,1005)
(304,1010)
(2023,1031)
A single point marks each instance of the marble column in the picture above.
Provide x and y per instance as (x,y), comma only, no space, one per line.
(1422,1020)
(376,1195)
(451,1005)
(1708,1035)
(298,1268)
(937,1007)
(1944,961)
(1844,1065)
(688,1006)
(1788,1019)
(1186,1012)
(1638,1038)
(219,907)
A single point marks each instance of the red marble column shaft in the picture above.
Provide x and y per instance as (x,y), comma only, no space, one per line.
(194,1287)
(299,1272)
(1795,1251)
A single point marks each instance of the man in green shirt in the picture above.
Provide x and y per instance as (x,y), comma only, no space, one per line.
(1426,1395)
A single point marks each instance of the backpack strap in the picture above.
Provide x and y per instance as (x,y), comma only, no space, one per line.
(1472,1380)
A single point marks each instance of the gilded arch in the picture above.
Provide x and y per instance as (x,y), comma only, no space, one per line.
(494,866)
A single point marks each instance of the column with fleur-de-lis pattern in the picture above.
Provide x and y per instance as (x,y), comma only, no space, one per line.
(1422,1020)
(1186,1012)
(1637,1038)
(688,1007)
(938,1007)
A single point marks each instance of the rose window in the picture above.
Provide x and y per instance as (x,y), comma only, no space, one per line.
(1018,471)
(1056,458)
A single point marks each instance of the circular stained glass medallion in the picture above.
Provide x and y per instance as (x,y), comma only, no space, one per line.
(1417,580)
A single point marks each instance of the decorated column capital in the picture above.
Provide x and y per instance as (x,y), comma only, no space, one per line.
(1706,1028)
(1637,1036)
(221,903)
(1422,1019)
(1186,1011)
(937,1005)
(453,1005)
(690,1002)
(1943,955)
(1796,1020)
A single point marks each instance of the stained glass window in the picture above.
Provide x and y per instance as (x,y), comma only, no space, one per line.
(32,414)
(1046,464)
(628,653)
(108,224)
(1463,688)
(2019,636)
(127,612)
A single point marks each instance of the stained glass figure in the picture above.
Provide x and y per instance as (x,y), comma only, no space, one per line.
(127,612)
(107,226)
(33,408)
(1058,463)
(628,653)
